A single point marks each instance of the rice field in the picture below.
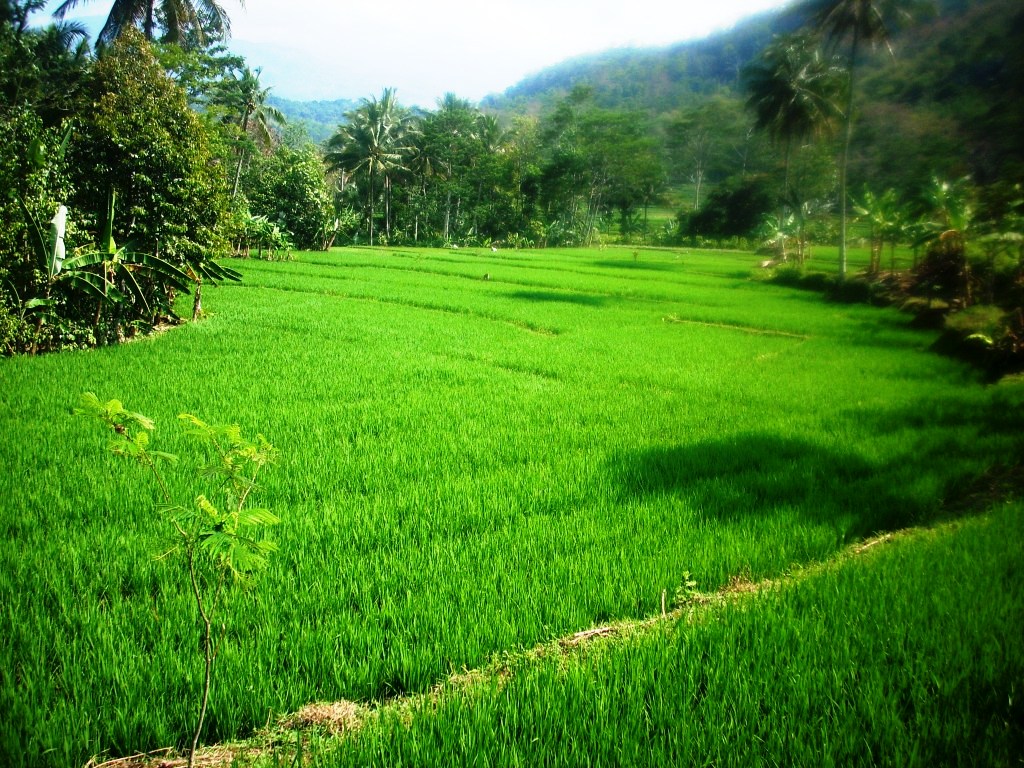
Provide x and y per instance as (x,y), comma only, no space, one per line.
(480,452)
(834,667)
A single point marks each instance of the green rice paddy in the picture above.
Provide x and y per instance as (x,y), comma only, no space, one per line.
(480,452)
(887,657)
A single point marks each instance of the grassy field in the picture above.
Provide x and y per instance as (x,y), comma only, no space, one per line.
(480,452)
(834,667)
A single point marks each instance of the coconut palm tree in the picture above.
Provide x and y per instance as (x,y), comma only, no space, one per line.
(63,37)
(178,18)
(242,95)
(856,23)
(793,91)
(16,13)
(374,142)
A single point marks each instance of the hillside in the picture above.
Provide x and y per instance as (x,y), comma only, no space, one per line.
(320,118)
(651,79)
(954,90)
(950,101)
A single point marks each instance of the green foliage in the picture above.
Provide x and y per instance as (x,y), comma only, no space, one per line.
(131,430)
(142,141)
(111,276)
(42,69)
(224,535)
(711,142)
(200,72)
(219,543)
(246,115)
(793,90)
(736,210)
(372,147)
(687,592)
(250,233)
(319,118)
(289,189)
(221,546)
(37,184)
(888,220)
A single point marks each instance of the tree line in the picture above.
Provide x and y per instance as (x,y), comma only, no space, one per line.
(130,167)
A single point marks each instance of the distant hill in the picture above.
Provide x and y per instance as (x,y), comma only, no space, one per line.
(650,79)
(320,118)
(951,101)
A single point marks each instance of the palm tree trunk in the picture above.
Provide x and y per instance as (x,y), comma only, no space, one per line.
(241,154)
(238,173)
(447,214)
(197,302)
(787,158)
(845,157)
(372,211)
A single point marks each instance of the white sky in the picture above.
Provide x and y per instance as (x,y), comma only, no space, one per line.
(329,49)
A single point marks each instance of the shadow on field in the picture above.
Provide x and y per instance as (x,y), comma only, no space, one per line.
(977,448)
(943,457)
(658,266)
(583,299)
(756,474)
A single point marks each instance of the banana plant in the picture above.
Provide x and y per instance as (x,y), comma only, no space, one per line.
(880,213)
(198,269)
(947,232)
(108,274)
(51,254)
(112,272)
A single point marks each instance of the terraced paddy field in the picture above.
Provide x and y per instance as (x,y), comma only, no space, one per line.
(482,452)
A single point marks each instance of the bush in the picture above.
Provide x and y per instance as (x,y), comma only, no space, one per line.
(731,211)
(290,189)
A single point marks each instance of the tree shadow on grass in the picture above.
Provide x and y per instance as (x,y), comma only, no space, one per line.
(583,299)
(758,474)
(975,447)
(654,266)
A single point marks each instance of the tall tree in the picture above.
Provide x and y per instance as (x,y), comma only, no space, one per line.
(856,23)
(141,140)
(42,69)
(451,136)
(179,19)
(243,97)
(793,91)
(708,142)
(373,143)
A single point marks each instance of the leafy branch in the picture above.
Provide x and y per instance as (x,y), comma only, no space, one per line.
(220,543)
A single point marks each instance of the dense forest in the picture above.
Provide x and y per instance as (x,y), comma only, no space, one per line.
(792,129)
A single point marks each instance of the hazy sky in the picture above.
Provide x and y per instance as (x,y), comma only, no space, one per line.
(328,49)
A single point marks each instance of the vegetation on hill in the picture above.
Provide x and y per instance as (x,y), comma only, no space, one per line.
(946,104)
(653,80)
(319,118)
